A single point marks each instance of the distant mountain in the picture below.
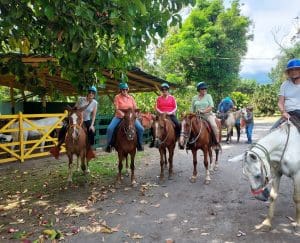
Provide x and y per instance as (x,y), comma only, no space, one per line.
(260,77)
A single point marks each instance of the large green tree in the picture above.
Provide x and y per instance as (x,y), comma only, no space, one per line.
(208,47)
(84,36)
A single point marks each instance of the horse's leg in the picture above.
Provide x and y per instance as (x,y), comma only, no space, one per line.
(162,162)
(296,198)
(211,163)
(238,132)
(217,159)
(267,223)
(194,176)
(207,173)
(133,180)
(127,168)
(229,130)
(120,167)
(171,155)
(70,167)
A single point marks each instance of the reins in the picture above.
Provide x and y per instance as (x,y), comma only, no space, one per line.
(267,154)
(200,131)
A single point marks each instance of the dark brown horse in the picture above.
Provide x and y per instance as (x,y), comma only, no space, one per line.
(126,142)
(164,138)
(196,133)
(76,140)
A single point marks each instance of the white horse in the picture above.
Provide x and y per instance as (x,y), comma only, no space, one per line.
(44,123)
(230,122)
(276,154)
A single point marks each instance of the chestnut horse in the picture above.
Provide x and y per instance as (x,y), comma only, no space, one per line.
(126,142)
(76,140)
(197,133)
(164,138)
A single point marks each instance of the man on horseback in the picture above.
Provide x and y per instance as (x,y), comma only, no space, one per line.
(203,104)
(166,103)
(224,107)
(123,101)
(89,116)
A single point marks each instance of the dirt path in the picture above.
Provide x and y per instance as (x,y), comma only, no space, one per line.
(177,209)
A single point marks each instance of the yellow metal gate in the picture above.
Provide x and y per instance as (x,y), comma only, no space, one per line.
(15,124)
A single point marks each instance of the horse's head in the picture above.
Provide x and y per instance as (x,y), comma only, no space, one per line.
(160,129)
(186,129)
(75,118)
(256,167)
(146,119)
(129,123)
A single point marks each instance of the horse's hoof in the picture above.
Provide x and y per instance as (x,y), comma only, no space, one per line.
(193,179)
(263,227)
(170,177)
(216,167)
(133,183)
(228,142)
(207,182)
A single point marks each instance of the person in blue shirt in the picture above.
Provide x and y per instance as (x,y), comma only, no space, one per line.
(225,105)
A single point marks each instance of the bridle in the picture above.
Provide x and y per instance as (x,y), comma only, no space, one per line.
(187,135)
(128,130)
(167,136)
(264,164)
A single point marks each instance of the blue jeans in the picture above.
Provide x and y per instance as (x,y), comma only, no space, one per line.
(249,129)
(115,122)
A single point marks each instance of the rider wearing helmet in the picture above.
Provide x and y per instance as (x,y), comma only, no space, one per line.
(203,104)
(123,101)
(166,103)
(89,116)
(225,105)
(289,98)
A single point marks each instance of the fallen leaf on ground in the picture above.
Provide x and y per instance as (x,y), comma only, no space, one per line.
(156,205)
(166,194)
(143,201)
(108,230)
(290,218)
(136,236)
(111,212)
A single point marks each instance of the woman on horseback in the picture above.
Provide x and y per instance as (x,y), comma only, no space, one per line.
(166,103)
(203,104)
(123,101)
(89,116)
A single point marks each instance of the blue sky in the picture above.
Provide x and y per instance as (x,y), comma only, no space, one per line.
(270,18)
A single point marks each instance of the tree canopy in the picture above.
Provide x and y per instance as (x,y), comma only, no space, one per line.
(84,36)
(208,47)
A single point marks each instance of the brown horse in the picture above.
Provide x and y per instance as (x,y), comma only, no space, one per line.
(196,132)
(126,142)
(76,140)
(164,138)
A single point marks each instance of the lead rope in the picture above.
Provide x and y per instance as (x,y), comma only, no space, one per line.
(200,131)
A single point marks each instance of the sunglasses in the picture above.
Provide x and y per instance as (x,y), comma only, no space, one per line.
(124,89)
(164,89)
(91,92)
(203,89)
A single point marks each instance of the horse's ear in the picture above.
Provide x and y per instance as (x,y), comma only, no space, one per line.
(237,158)
(69,108)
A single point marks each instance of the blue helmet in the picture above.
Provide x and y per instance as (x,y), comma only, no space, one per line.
(123,86)
(201,85)
(164,85)
(227,98)
(293,63)
(93,89)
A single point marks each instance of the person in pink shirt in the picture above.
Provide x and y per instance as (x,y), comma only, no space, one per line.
(123,101)
(166,103)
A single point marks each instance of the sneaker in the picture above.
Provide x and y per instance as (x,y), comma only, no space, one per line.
(108,149)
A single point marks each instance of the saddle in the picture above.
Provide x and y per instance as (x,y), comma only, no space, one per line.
(222,116)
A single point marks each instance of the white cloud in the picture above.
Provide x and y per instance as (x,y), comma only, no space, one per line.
(270,18)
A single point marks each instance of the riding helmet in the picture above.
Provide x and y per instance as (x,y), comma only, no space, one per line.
(201,85)
(123,86)
(164,85)
(93,89)
(293,63)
